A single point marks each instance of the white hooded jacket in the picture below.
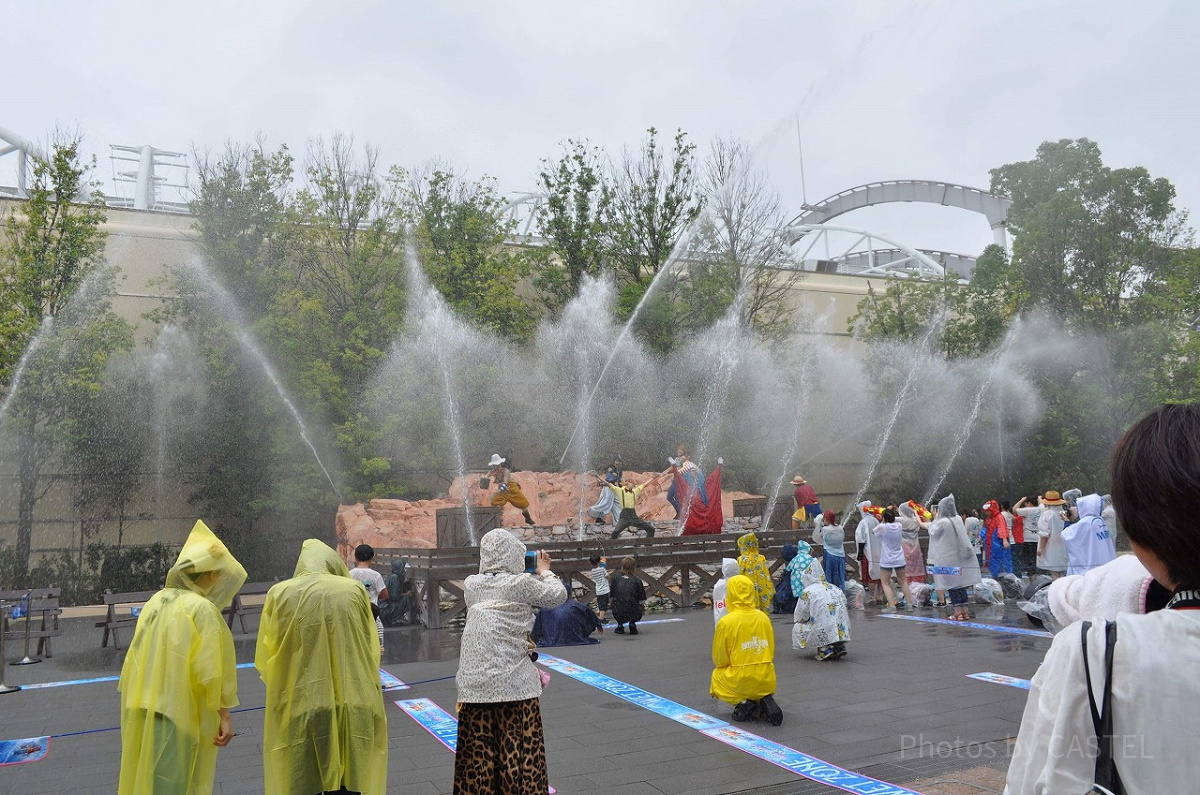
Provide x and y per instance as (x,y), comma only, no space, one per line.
(729,568)
(494,662)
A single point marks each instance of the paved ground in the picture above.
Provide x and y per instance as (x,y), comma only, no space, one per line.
(898,708)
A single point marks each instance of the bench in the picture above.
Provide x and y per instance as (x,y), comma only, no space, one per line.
(240,608)
(44,611)
(113,622)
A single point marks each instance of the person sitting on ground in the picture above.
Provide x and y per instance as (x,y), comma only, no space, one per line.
(754,566)
(626,495)
(570,624)
(808,506)
(508,490)
(179,679)
(1088,541)
(399,608)
(1154,690)
(822,620)
(891,561)
(729,568)
(599,575)
(628,596)
(743,654)
(784,600)
(372,581)
(956,568)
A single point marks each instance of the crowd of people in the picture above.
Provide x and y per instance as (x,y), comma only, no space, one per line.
(1110,706)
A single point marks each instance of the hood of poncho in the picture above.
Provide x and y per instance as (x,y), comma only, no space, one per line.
(500,551)
(204,552)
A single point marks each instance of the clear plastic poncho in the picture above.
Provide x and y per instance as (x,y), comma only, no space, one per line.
(865,536)
(180,670)
(950,547)
(318,654)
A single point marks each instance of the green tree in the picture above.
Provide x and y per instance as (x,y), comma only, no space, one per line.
(461,237)
(53,268)
(571,221)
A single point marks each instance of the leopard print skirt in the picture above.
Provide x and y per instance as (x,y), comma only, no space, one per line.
(501,749)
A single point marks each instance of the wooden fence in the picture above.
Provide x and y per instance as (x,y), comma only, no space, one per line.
(684,567)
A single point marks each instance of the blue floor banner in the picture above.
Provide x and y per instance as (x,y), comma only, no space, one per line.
(802,764)
(657,704)
(1037,633)
(435,720)
(788,758)
(387,680)
(17,752)
(391,682)
(1001,679)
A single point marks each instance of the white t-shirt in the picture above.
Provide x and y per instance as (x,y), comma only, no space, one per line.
(891,537)
(373,581)
(1155,697)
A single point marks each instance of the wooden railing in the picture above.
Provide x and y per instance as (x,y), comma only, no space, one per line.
(689,566)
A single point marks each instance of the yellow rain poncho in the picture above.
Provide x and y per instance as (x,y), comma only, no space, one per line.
(743,647)
(179,672)
(318,654)
(754,566)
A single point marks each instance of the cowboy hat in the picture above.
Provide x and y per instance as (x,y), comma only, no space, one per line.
(497,461)
(796,481)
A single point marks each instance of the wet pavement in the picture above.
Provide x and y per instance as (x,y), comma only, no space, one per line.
(899,708)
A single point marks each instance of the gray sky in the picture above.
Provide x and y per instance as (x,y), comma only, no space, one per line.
(882,90)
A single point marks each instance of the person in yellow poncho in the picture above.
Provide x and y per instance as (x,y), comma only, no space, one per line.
(754,566)
(318,654)
(743,655)
(179,678)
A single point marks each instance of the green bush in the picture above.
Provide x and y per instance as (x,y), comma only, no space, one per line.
(105,567)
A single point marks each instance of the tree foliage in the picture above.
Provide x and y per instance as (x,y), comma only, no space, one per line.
(52,270)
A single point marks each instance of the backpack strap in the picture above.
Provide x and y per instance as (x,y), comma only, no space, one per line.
(1106,774)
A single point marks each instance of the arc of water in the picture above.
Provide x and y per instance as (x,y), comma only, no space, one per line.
(42,332)
(225,300)
(676,254)
(964,433)
(801,404)
(877,455)
(429,303)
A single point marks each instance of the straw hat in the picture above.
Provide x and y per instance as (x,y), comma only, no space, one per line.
(1052,498)
(796,481)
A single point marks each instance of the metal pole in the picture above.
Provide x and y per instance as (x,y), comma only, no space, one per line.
(27,660)
(4,688)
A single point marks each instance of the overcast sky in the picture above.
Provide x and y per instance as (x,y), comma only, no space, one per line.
(880,90)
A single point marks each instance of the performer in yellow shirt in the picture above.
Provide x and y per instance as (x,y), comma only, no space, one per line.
(626,494)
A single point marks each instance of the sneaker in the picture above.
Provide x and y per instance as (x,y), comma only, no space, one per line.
(620,630)
(770,710)
(888,609)
(747,710)
(632,628)
(825,653)
(839,651)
